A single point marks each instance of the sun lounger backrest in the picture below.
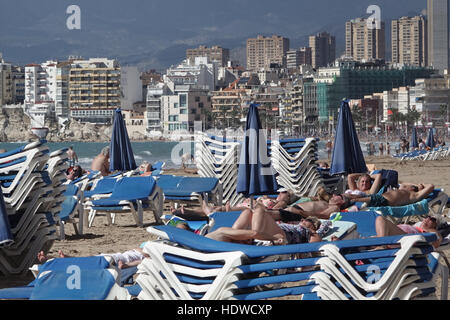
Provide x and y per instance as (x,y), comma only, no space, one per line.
(74,284)
(84,263)
(132,188)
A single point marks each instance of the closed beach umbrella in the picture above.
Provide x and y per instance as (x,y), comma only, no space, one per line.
(414,143)
(430,139)
(255,174)
(6,238)
(347,154)
(121,157)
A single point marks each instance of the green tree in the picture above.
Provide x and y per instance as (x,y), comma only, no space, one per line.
(357,116)
(443,111)
(411,117)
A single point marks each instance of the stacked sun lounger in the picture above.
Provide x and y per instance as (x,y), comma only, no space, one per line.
(188,266)
(425,155)
(32,188)
(219,158)
(295,162)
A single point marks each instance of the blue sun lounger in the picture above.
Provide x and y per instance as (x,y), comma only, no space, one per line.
(130,194)
(86,278)
(178,188)
(188,266)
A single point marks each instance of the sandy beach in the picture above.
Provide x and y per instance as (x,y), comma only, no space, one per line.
(125,235)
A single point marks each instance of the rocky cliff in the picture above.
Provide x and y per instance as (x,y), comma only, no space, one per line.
(15,126)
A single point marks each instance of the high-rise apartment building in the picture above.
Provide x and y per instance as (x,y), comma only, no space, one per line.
(438,33)
(409,41)
(365,40)
(6,94)
(40,92)
(214,54)
(264,51)
(323,49)
(94,89)
(298,57)
(18,84)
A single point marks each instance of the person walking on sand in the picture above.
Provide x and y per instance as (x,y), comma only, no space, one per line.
(381,148)
(73,158)
(329,146)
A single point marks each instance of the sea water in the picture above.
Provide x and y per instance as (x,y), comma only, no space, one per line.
(151,152)
(86,151)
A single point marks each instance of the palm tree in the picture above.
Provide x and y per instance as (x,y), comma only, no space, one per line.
(443,111)
(234,115)
(411,117)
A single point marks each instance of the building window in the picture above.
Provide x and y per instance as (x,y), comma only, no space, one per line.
(183,101)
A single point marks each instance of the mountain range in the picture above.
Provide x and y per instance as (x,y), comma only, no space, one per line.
(156,33)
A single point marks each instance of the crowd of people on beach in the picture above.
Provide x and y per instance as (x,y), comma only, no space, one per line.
(286,219)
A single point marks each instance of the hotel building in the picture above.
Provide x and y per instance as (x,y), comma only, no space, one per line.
(262,52)
(409,41)
(94,90)
(363,41)
(323,49)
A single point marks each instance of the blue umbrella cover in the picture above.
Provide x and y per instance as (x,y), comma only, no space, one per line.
(255,174)
(414,142)
(347,154)
(121,157)
(430,139)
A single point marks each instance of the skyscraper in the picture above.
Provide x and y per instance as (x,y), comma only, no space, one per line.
(323,49)
(409,41)
(438,32)
(262,51)
(364,41)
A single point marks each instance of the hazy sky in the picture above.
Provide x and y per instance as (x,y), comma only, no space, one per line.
(152,30)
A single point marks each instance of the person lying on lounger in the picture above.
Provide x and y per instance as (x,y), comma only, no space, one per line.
(406,194)
(283,199)
(122,260)
(363,184)
(385,228)
(258,224)
(319,208)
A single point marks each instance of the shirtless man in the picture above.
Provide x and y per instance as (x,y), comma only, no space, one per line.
(320,209)
(406,194)
(101,162)
(73,158)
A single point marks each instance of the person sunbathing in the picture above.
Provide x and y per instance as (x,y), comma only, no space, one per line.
(122,260)
(385,228)
(363,184)
(406,194)
(283,199)
(258,224)
(319,208)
